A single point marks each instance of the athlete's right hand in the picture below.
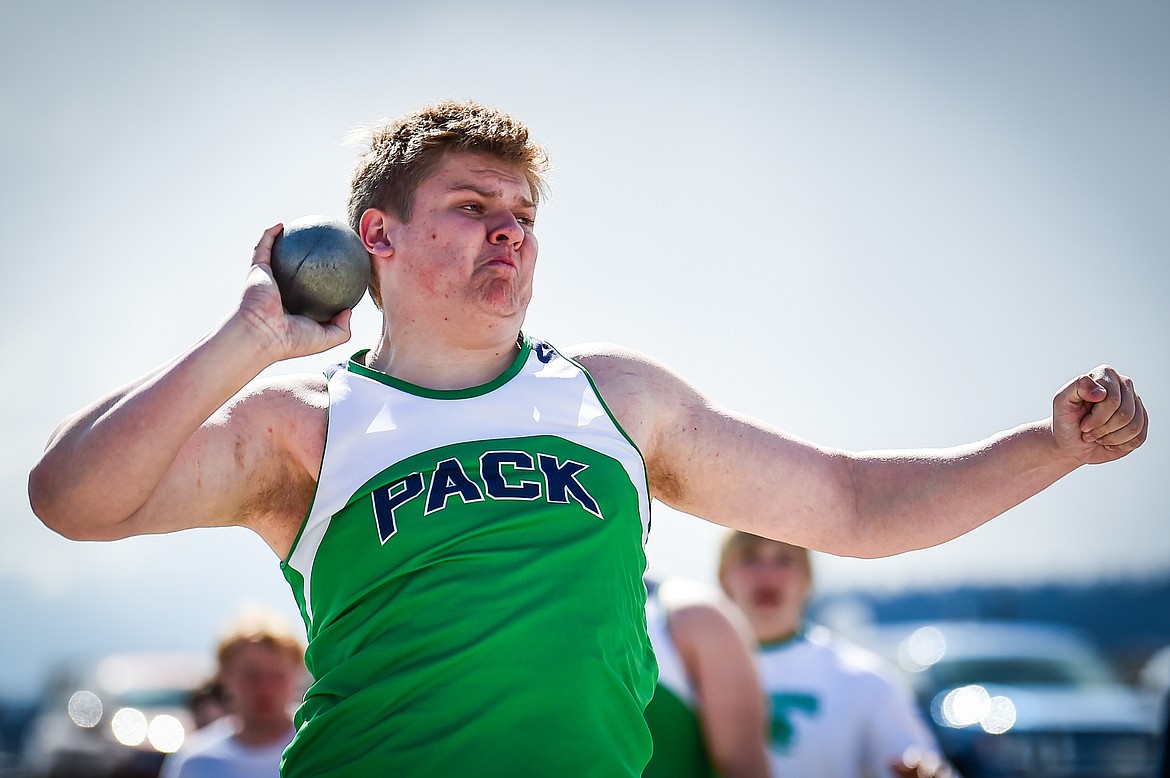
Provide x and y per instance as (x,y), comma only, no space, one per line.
(281,334)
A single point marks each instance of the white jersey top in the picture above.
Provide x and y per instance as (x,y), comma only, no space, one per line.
(672,673)
(470,577)
(214,752)
(837,710)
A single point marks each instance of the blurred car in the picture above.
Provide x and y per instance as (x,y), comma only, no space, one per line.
(1155,673)
(1015,699)
(1154,677)
(15,714)
(114,717)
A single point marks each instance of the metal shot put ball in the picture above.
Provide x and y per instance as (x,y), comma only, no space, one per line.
(320,266)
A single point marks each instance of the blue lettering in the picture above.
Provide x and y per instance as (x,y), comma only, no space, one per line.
(502,474)
(561,478)
(450,479)
(387,500)
(491,468)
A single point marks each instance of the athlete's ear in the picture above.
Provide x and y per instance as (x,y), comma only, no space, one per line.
(374,230)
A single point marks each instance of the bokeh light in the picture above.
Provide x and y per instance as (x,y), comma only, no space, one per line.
(968,705)
(129,726)
(165,733)
(85,709)
(923,648)
(965,706)
(1000,716)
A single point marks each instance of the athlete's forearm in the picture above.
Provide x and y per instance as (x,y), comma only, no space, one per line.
(914,499)
(103,463)
(867,504)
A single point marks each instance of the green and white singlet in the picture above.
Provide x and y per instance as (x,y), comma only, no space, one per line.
(470,576)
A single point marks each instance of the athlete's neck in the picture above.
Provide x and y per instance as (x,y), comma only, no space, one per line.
(435,365)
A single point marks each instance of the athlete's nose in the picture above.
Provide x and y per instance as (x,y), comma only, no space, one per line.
(507,230)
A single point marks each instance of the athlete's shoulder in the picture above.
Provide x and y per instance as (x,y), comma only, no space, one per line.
(647,389)
(287,394)
(604,353)
(620,369)
(291,410)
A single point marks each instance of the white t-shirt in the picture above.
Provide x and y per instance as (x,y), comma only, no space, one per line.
(837,709)
(214,752)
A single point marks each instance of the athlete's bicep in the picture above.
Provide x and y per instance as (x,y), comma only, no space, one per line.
(743,473)
(244,466)
(720,465)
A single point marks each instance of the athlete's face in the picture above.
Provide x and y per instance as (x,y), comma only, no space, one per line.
(770,583)
(469,246)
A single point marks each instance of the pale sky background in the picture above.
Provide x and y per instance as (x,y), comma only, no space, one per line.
(872,223)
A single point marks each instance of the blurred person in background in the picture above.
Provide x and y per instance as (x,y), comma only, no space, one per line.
(260,665)
(707,715)
(836,709)
(207,703)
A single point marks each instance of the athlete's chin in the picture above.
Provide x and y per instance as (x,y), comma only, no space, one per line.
(504,303)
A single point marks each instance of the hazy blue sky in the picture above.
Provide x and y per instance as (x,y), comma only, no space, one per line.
(874,224)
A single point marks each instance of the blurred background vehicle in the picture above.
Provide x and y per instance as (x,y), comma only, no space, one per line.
(113,717)
(14,717)
(1154,677)
(1015,699)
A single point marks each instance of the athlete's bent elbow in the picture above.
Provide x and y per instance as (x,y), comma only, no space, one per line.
(40,496)
(49,504)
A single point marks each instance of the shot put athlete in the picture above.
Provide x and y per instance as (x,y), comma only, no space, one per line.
(460,510)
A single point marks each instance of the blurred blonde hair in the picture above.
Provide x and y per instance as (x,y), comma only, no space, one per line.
(257,627)
(737,544)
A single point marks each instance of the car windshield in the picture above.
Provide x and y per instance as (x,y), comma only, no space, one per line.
(1017,671)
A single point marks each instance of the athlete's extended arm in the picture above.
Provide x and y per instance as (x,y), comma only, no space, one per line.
(742,473)
(178,448)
